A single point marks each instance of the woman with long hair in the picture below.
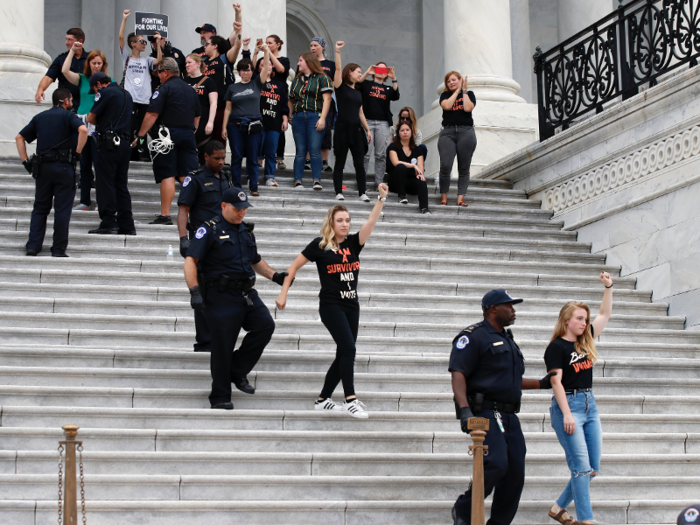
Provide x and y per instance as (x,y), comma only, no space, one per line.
(457,137)
(337,257)
(309,103)
(280,72)
(571,355)
(405,168)
(208,100)
(96,62)
(351,129)
(408,115)
(317,46)
(275,119)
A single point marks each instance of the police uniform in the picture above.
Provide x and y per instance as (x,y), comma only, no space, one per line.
(168,51)
(202,192)
(77,65)
(493,366)
(226,253)
(113,107)
(177,105)
(55,131)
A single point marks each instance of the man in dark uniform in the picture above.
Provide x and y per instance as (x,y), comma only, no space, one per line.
(111,114)
(168,51)
(225,247)
(53,167)
(487,380)
(54,72)
(175,105)
(200,200)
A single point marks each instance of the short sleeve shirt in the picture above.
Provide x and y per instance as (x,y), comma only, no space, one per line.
(138,76)
(577,369)
(218,69)
(307,92)
(338,270)
(54,128)
(76,66)
(202,192)
(457,116)
(376,100)
(113,112)
(349,103)
(412,159)
(244,98)
(176,104)
(203,90)
(273,104)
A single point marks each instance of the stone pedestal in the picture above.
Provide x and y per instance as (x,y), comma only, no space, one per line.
(22,65)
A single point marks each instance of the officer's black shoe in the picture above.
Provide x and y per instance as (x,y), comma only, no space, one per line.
(59,254)
(104,231)
(243,385)
(31,252)
(162,219)
(202,348)
(124,231)
(227,405)
(456,519)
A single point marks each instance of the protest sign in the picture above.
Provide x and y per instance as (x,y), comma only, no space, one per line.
(148,24)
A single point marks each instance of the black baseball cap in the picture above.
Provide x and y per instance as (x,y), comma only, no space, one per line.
(689,516)
(206,27)
(499,296)
(237,197)
(97,77)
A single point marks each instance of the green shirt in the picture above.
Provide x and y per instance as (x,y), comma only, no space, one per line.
(87,99)
(307,92)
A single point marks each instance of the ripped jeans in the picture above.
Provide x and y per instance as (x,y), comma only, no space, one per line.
(582,449)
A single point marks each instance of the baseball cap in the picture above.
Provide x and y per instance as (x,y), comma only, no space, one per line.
(499,296)
(97,77)
(206,27)
(689,516)
(237,197)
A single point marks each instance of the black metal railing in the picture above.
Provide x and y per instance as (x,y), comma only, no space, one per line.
(612,58)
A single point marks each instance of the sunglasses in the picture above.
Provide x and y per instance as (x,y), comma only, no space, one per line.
(142,41)
(161,71)
(207,44)
(407,119)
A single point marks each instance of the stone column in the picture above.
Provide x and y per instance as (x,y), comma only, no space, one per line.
(184,17)
(521,47)
(260,19)
(23,63)
(575,15)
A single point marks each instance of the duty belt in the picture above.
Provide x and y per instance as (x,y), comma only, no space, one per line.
(225,283)
(490,404)
(108,135)
(56,156)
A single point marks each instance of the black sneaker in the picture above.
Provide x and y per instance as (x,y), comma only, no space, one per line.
(327,167)
(31,252)
(403,199)
(425,211)
(224,405)
(162,219)
(307,165)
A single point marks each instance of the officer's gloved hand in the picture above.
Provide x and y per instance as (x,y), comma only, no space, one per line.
(196,299)
(546,381)
(465,414)
(184,245)
(279,278)
(27,165)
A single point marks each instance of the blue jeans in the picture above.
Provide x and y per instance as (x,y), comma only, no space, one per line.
(248,146)
(269,151)
(582,449)
(307,139)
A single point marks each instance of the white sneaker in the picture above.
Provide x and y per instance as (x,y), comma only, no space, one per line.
(326,404)
(355,408)
(298,186)
(364,197)
(271,182)
(340,197)
(317,185)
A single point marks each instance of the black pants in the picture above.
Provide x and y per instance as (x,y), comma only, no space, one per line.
(226,313)
(403,180)
(343,143)
(87,159)
(141,150)
(111,185)
(342,323)
(504,470)
(55,183)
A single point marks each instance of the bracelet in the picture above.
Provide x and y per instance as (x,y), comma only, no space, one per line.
(380,198)
(394,81)
(613,284)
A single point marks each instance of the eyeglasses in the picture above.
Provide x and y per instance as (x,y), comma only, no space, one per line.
(207,44)
(162,71)
(405,119)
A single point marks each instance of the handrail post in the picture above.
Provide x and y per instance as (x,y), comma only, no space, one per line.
(478,427)
(70,505)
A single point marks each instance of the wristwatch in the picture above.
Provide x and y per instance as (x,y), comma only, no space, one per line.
(380,198)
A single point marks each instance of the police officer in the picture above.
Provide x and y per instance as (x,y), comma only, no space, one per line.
(168,51)
(53,167)
(176,107)
(111,115)
(200,200)
(225,247)
(487,380)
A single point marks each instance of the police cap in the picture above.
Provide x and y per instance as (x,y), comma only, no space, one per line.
(689,516)
(237,197)
(206,27)
(495,297)
(97,77)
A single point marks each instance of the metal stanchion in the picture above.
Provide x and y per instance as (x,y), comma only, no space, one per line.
(67,490)
(478,426)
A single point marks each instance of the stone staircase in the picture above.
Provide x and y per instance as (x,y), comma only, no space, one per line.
(103,340)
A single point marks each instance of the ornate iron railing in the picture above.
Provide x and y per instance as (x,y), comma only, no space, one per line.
(612,58)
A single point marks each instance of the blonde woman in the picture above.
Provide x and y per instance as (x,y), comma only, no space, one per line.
(571,355)
(337,257)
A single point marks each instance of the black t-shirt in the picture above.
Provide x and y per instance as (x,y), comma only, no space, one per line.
(577,369)
(203,91)
(338,270)
(287,65)
(273,103)
(376,99)
(457,116)
(328,67)
(219,70)
(412,159)
(200,51)
(349,103)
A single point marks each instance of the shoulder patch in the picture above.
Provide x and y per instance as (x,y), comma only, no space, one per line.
(462,342)
(155,95)
(98,96)
(201,232)
(187,180)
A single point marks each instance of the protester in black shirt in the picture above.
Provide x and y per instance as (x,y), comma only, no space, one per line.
(405,167)
(351,129)
(318,48)
(275,118)
(337,258)
(54,72)
(206,31)
(457,136)
(376,99)
(208,100)
(571,355)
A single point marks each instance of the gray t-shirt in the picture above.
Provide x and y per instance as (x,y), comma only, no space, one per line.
(138,76)
(244,98)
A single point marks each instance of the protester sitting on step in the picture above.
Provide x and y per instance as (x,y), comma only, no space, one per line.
(457,137)
(337,258)
(96,62)
(571,355)
(404,170)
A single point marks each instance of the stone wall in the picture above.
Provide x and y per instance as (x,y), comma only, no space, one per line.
(628,180)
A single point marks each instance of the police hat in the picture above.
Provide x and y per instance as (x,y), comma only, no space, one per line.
(206,27)
(97,77)
(237,197)
(495,297)
(689,516)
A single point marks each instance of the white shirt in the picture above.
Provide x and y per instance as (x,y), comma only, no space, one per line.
(138,76)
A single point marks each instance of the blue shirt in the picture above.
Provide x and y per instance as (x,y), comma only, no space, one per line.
(76,66)
(490,360)
(111,111)
(202,191)
(224,249)
(55,129)
(176,103)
